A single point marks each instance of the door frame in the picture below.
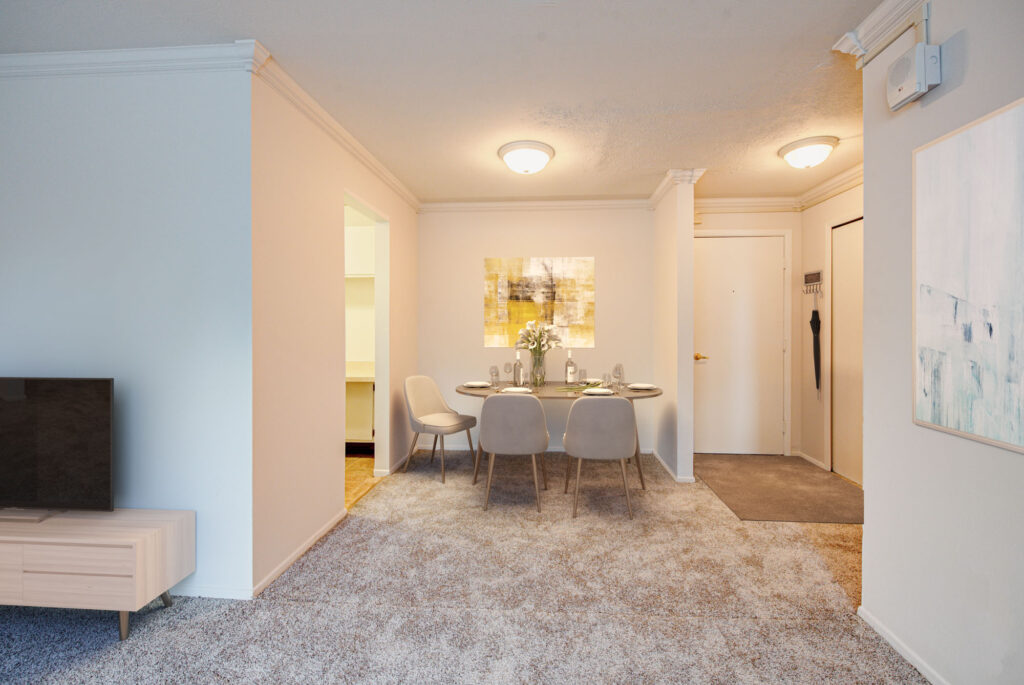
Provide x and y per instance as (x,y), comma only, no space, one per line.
(787,311)
(826,344)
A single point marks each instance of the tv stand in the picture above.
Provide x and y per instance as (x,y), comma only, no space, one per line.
(29,515)
(117,560)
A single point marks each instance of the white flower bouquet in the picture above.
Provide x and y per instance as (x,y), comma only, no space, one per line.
(538,339)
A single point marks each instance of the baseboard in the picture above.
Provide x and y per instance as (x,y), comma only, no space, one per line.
(299,551)
(900,646)
(819,464)
(678,479)
(186,589)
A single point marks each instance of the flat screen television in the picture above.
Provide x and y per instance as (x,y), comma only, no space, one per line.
(56,443)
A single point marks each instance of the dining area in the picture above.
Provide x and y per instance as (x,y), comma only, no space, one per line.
(512,420)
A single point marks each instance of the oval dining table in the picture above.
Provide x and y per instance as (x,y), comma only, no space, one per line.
(550,391)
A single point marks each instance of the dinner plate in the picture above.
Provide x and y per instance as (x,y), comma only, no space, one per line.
(516,390)
(598,391)
(591,381)
(641,386)
(477,384)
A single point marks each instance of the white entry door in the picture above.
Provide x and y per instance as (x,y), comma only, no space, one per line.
(739,389)
(848,350)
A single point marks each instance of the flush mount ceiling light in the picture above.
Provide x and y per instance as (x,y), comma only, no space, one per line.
(526,156)
(803,154)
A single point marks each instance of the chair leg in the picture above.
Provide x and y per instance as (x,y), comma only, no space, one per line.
(576,497)
(469,436)
(490,475)
(568,471)
(536,486)
(636,458)
(544,470)
(476,461)
(442,459)
(433,449)
(412,448)
(625,488)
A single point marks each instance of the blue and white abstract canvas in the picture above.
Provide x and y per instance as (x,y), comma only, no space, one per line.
(969,280)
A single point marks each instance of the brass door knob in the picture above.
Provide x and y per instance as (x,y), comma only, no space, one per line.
(698,356)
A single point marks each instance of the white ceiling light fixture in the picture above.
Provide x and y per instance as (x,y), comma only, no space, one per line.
(526,156)
(808,152)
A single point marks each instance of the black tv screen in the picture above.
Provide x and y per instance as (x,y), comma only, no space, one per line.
(56,443)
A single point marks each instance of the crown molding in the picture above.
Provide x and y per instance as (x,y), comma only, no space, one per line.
(532,205)
(851,178)
(877,29)
(242,55)
(674,177)
(745,205)
(271,73)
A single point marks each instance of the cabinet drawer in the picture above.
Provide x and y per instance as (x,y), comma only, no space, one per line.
(10,556)
(10,586)
(76,591)
(80,559)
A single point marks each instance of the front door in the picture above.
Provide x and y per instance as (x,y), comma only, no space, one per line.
(739,389)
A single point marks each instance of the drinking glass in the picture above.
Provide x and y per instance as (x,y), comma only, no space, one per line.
(583,376)
(494,377)
(606,380)
(619,374)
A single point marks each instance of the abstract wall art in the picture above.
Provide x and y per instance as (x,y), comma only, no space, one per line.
(969,280)
(554,290)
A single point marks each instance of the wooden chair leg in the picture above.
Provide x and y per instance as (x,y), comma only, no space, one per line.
(568,471)
(469,436)
(625,488)
(536,485)
(476,461)
(490,475)
(576,497)
(433,449)
(412,448)
(442,459)
(544,470)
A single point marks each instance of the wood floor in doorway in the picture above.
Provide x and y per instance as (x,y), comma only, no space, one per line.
(359,478)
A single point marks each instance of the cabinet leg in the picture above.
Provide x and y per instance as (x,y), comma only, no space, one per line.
(123,616)
(166,597)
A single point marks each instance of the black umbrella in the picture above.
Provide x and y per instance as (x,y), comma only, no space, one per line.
(816,332)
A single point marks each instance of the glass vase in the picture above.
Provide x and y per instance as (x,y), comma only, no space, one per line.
(537,375)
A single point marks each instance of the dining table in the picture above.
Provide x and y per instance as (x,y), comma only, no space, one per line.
(552,390)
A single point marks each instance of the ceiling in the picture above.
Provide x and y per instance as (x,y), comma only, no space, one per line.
(622,90)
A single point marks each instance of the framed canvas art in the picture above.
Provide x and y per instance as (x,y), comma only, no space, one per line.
(969,280)
(554,290)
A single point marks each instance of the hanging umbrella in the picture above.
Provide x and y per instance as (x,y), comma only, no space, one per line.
(816,332)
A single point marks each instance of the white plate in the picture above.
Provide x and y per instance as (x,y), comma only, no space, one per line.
(516,390)
(641,386)
(477,384)
(598,391)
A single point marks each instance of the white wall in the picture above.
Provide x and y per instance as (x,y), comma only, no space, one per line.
(453,246)
(816,229)
(125,252)
(673,311)
(943,549)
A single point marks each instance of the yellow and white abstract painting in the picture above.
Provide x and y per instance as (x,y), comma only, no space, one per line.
(554,290)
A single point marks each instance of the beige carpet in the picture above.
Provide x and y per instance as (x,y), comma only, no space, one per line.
(778,488)
(420,585)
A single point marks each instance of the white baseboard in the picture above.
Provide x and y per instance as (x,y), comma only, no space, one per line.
(819,464)
(678,479)
(299,551)
(900,646)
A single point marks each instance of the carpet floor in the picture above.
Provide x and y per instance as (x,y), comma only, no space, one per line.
(760,487)
(419,585)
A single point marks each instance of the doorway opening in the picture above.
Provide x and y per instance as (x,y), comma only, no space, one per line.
(366,349)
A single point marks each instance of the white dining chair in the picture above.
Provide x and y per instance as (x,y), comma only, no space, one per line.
(430,414)
(514,425)
(600,429)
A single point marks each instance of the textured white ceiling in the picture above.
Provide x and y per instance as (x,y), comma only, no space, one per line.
(622,90)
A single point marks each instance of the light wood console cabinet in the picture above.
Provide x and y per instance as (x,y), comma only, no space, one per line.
(120,560)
